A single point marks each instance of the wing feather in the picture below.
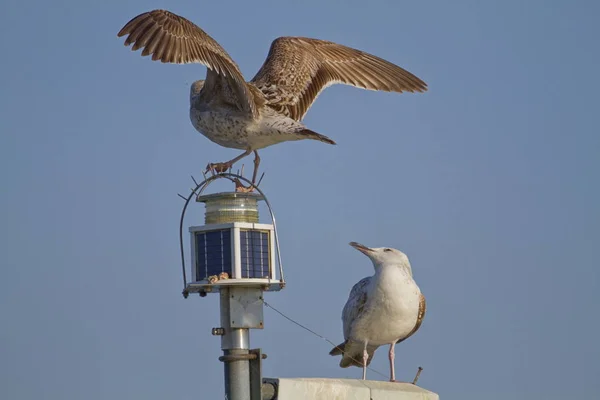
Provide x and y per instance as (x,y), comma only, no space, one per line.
(355,304)
(297,70)
(170,38)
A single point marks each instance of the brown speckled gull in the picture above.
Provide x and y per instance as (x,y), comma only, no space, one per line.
(267,110)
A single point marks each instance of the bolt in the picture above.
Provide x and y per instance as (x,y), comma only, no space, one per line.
(218,331)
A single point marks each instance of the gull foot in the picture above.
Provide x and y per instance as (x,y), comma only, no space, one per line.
(223,275)
(218,167)
(240,188)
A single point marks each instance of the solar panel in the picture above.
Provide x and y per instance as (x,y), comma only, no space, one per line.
(213,253)
(254,247)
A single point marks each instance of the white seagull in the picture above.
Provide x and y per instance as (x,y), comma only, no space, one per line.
(385,308)
(267,110)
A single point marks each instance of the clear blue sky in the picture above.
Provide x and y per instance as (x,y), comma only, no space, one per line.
(489,182)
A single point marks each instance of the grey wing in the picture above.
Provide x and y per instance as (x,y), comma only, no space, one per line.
(355,305)
(174,39)
(297,69)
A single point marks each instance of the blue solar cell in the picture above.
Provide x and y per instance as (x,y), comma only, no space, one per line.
(254,246)
(213,253)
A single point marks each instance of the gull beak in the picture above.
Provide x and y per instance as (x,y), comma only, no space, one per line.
(362,248)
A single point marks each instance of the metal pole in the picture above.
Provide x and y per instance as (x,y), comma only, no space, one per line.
(235,345)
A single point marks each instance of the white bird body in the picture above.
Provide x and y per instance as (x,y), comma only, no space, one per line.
(392,305)
(382,309)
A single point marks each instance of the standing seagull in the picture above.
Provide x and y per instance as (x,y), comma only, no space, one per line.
(267,110)
(385,308)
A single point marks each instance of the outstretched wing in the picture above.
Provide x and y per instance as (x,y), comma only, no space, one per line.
(355,305)
(174,39)
(297,69)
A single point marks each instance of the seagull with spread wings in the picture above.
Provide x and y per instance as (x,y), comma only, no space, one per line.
(386,308)
(267,110)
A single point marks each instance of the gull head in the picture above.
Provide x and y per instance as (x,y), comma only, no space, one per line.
(383,255)
(195,89)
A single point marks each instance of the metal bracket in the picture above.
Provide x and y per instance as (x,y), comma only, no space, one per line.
(246,308)
(256,374)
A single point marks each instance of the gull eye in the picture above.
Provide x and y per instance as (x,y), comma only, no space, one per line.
(387,249)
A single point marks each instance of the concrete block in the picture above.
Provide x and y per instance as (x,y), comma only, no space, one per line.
(347,389)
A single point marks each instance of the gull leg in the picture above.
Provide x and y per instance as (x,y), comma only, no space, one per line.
(256,163)
(224,166)
(239,186)
(392,356)
(365,359)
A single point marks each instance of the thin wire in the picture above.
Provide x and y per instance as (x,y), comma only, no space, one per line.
(317,335)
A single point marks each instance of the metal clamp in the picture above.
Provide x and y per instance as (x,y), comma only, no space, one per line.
(241,357)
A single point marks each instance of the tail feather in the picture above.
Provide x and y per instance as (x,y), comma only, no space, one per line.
(316,136)
(352,356)
(338,350)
